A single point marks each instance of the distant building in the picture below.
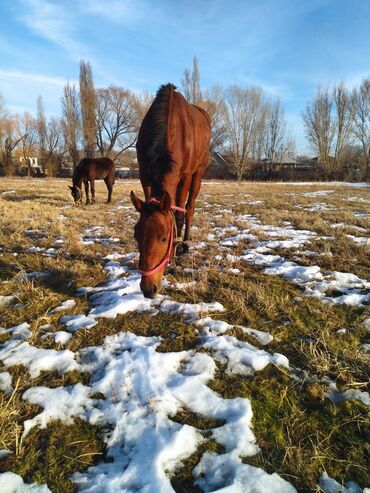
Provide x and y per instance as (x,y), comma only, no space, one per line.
(219,166)
(123,172)
(29,165)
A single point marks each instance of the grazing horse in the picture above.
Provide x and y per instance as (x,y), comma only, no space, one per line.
(89,170)
(172,151)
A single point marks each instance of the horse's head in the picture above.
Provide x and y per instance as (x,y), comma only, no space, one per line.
(154,233)
(76,194)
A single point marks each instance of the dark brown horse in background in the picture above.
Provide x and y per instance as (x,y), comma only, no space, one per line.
(172,151)
(89,170)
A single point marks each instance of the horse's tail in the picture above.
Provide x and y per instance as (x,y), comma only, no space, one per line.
(159,158)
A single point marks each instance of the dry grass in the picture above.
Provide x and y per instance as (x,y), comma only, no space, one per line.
(296,427)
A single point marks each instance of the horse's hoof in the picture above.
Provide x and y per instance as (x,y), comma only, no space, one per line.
(182,248)
(87,202)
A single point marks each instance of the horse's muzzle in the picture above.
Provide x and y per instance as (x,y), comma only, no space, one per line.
(150,292)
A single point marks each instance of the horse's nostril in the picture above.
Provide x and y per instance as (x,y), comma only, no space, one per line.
(151,292)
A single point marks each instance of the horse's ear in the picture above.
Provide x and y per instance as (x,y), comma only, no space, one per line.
(138,204)
(69,186)
(165,202)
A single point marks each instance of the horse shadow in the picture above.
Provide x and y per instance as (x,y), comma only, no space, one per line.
(42,198)
(59,280)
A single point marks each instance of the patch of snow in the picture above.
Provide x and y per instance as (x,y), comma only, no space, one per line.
(13,483)
(318,193)
(4,453)
(65,305)
(35,359)
(330,485)
(35,249)
(190,312)
(360,240)
(226,473)
(61,403)
(6,382)
(6,301)
(77,322)
(336,396)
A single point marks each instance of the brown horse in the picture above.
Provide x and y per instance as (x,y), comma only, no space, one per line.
(89,170)
(172,151)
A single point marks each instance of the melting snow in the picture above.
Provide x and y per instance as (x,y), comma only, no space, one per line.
(143,388)
(330,485)
(12,483)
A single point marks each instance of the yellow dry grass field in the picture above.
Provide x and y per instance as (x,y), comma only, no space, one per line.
(289,265)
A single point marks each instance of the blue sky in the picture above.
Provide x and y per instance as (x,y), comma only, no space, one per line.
(288,47)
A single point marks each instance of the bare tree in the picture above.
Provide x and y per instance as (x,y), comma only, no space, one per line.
(287,149)
(41,132)
(9,140)
(141,103)
(319,124)
(2,108)
(213,102)
(361,123)
(27,133)
(343,122)
(53,144)
(88,108)
(191,84)
(70,121)
(275,130)
(116,121)
(246,111)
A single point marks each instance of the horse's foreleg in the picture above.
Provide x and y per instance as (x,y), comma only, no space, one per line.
(86,183)
(92,185)
(181,194)
(109,181)
(190,205)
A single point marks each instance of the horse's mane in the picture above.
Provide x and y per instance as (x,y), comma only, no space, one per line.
(159,158)
(77,173)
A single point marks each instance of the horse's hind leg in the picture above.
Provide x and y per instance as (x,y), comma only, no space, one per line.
(92,185)
(86,183)
(109,181)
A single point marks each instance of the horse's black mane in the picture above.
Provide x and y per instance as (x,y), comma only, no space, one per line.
(159,158)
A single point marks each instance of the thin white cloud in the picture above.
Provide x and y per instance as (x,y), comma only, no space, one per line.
(54,22)
(27,77)
(122,11)
(21,89)
(354,80)
(269,89)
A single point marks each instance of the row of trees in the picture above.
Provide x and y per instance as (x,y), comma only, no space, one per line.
(246,124)
(93,122)
(337,124)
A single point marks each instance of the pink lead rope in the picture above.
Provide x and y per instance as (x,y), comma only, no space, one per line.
(167,258)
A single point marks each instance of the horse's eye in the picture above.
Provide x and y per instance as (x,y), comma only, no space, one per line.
(164,239)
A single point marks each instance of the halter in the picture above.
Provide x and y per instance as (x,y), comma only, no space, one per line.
(167,257)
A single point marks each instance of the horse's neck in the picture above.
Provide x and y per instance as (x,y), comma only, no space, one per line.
(77,179)
(169,184)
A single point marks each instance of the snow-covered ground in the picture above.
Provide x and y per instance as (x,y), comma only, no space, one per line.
(143,388)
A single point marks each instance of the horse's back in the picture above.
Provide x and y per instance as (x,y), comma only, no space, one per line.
(184,135)
(189,132)
(96,169)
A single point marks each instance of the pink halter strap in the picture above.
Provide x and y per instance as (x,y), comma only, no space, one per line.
(167,257)
(157,202)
